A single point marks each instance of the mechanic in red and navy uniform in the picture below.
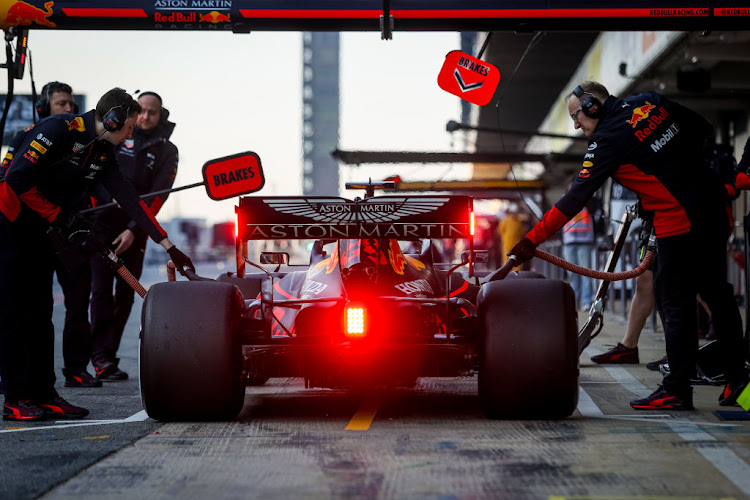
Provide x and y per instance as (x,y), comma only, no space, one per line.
(64,157)
(149,161)
(73,263)
(657,148)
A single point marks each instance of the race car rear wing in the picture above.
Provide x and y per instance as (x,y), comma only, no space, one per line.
(398,217)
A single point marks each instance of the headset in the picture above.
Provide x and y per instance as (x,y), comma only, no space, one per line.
(590,105)
(114,119)
(43,105)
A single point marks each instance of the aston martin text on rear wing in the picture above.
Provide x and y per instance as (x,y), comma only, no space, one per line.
(398,217)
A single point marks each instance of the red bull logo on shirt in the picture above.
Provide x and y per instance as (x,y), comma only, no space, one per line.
(650,125)
(76,124)
(640,113)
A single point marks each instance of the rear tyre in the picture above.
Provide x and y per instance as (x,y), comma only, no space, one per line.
(529,354)
(190,355)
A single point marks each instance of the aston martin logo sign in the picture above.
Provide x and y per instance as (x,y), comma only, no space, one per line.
(397,217)
(344,211)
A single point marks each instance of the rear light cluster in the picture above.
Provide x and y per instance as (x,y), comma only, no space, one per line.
(355,321)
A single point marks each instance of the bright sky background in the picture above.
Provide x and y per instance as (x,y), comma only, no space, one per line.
(230,93)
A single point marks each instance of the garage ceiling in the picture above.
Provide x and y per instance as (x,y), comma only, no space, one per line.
(526,96)
(722,58)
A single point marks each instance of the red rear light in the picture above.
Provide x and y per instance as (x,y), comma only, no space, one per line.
(236,225)
(355,321)
(471,222)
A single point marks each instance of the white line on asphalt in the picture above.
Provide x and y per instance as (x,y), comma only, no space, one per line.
(64,424)
(718,454)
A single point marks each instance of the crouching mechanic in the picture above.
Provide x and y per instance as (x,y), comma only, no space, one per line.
(65,156)
(655,147)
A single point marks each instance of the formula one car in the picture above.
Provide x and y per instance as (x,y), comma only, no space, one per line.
(363,313)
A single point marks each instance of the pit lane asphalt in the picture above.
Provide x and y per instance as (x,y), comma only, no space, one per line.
(430,442)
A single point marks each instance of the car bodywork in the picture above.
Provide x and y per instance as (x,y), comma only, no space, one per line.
(363,313)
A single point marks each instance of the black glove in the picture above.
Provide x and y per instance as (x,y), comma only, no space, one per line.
(66,229)
(180,260)
(523,250)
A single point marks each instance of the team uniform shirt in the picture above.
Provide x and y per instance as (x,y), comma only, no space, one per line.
(59,159)
(14,144)
(149,162)
(656,148)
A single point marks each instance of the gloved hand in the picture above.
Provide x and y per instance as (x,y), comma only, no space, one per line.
(523,250)
(65,229)
(180,260)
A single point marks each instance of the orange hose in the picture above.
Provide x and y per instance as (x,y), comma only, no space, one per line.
(130,280)
(171,274)
(592,273)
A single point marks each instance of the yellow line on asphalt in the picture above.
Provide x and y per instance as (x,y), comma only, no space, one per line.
(362,420)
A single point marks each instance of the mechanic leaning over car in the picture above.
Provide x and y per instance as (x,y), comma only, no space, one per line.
(67,155)
(657,148)
(72,264)
(149,161)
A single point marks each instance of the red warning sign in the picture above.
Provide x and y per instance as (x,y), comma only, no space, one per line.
(469,78)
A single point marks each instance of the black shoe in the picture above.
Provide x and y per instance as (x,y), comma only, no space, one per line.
(104,368)
(732,390)
(22,410)
(80,378)
(654,365)
(59,408)
(619,354)
(661,399)
(115,376)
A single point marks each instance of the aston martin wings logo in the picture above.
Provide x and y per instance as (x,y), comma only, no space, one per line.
(463,85)
(382,209)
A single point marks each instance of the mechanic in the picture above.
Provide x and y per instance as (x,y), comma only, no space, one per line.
(657,148)
(66,155)
(56,98)
(71,263)
(149,161)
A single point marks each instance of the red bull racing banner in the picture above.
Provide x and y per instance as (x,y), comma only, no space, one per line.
(363,15)
(394,217)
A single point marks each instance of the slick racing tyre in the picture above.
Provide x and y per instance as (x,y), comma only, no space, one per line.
(190,354)
(529,353)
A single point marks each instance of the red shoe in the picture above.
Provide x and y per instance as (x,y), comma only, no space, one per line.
(22,410)
(619,354)
(59,408)
(732,390)
(661,399)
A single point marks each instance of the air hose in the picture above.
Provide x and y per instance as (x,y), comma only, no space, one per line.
(593,273)
(118,266)
(171,271)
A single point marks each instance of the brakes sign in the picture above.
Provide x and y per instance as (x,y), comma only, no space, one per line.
(469,78)
(233,176)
